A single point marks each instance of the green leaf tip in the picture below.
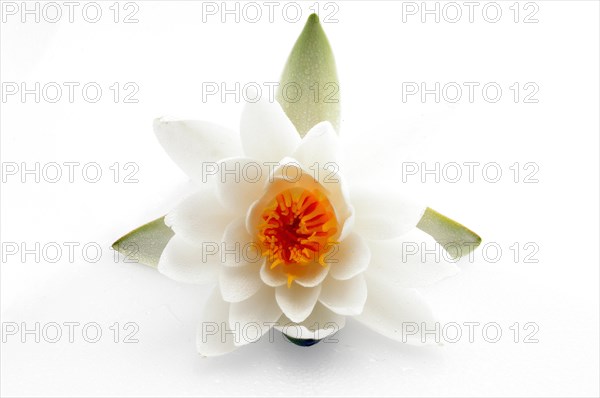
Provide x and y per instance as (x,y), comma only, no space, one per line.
(313,18)
(308,90)
(456,239)
(146,243)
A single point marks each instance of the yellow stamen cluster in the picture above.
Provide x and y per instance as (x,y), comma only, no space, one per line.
(298,228)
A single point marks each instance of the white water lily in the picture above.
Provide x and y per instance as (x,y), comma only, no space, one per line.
(289,244)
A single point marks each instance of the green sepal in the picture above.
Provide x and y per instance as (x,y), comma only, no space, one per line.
(456,239)
(308,89)
(145,244)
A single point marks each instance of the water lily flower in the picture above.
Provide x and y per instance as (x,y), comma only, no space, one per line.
(297,248)
(289,239)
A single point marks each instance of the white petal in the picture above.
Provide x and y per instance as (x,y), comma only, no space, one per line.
(240,182)
(272,277)
(350,258)
(200,219)
(318,147)
(192,143)
(210,341)
(413,260)
(348,223)
(313,278)
(255,316)
(320,324)
(384,214)
(183,262)
(344,297)
(266,132)
(238,248)
(239,283)
(330,179)
(297,302)
(400,314)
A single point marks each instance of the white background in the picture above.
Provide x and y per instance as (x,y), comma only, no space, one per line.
(168,54)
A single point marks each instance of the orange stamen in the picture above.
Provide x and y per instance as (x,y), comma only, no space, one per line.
(298,228)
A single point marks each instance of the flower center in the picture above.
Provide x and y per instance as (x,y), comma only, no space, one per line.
(298,228)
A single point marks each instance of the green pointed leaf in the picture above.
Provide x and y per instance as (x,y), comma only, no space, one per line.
(146,243)
(457,239)
(308,89)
